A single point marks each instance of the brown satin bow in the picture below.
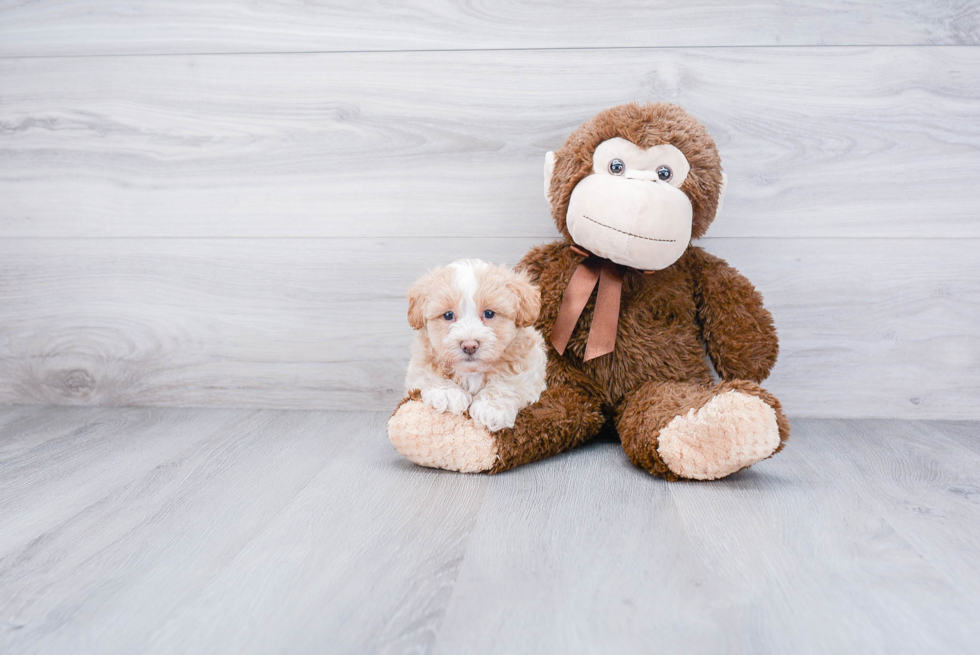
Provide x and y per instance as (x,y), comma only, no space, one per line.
(605,318)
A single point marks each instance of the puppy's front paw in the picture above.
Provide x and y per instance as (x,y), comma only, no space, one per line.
(447,399)
(492,415)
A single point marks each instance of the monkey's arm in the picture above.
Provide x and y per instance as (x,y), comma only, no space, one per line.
(567,414)
(736,328)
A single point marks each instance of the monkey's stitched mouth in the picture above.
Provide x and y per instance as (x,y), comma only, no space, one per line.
(615,229)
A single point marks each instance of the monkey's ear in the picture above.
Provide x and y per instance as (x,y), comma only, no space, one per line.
(549,168)
(416,306)
(721,193)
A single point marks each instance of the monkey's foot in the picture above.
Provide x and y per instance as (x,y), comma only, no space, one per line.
(729,432)
(441,440)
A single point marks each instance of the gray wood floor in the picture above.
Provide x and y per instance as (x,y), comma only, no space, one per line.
(204,530)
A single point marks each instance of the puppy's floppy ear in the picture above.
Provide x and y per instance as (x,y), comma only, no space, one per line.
(416,303)
(528,299)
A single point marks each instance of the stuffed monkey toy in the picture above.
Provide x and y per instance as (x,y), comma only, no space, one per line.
(629,308)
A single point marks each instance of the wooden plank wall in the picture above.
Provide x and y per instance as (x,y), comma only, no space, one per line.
(221,204)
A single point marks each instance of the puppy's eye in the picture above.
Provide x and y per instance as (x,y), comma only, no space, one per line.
(664,173)
(489,313)
(617,167)
(449,316)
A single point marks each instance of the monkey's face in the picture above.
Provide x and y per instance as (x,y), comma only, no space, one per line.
(631,209)
(635,184)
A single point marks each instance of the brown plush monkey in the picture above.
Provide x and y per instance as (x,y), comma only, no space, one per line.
(629,309)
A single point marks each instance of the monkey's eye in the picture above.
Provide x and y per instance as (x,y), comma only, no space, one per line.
(617,167)
(664,173)
(488,314)
(449,316)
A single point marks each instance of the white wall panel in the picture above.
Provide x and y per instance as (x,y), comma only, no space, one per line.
(868,327)
(73,27)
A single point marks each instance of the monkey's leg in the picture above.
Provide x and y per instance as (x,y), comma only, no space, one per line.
(441,440)
(565,416)
(701,432)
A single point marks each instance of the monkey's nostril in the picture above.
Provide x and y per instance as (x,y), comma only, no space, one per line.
(469,347)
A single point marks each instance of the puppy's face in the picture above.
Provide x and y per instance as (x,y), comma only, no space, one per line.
(471,311)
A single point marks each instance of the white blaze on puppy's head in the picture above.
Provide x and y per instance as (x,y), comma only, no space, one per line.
(471,311)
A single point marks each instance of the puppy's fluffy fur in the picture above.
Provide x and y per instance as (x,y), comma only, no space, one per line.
(476,348)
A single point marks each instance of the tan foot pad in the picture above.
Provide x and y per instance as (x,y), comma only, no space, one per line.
(732,431)
(441,440)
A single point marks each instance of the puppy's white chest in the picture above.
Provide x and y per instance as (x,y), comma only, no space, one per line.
(472,382)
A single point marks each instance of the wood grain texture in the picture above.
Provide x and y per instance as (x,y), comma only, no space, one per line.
(817,142)
(267,531)
(171,520)
(964,433)
(927,486)
(777,559)
(160,26)
(868,327)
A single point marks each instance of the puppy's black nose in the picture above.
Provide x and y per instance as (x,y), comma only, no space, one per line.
(469,347)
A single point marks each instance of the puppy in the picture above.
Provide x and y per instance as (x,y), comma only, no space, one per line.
(475,347)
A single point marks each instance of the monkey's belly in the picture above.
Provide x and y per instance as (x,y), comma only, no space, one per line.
(664,352)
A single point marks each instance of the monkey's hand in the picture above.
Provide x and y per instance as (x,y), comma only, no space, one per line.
(737,330)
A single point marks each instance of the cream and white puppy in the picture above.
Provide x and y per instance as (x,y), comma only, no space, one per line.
(476,348)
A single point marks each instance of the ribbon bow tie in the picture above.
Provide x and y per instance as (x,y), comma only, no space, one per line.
(605,318)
